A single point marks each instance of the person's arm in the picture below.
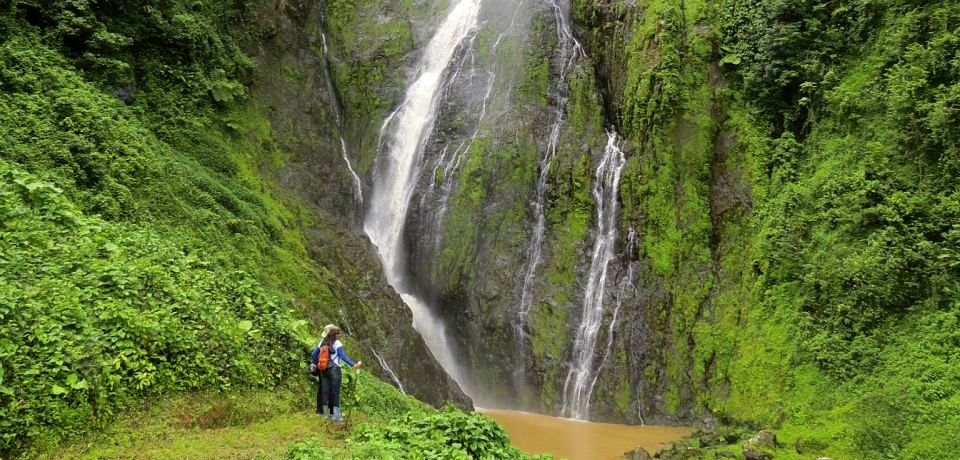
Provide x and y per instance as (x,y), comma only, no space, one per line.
(343,357)
(315,354)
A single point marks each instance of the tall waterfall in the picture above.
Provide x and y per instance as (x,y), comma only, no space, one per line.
(398,167)
(578,386)
(566,54)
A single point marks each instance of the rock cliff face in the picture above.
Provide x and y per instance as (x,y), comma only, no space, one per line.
(734,230)
(299,50)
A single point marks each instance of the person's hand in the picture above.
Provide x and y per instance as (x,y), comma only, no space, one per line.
(357,365)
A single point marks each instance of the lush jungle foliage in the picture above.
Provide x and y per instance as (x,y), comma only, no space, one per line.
(797,188)
(140,250)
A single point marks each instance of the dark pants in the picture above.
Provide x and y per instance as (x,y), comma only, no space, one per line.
(320,397)
(330,387)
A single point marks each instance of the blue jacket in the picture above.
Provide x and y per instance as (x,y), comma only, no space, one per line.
(341,355)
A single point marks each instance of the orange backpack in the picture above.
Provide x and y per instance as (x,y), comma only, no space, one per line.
(323,358)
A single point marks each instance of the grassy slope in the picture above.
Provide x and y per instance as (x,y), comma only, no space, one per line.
(145,247)
(280,424)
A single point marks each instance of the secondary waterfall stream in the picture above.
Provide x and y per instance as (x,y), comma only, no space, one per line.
(338,114)
(568,50)
(398,167)
(578,386)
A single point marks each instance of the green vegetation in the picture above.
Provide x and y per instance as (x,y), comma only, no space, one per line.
(796,188)
(274,425)
(144,248)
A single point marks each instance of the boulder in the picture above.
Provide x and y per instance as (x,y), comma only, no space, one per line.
(764,438)
(637,454)
(729,435)
(760,447)
(750,453)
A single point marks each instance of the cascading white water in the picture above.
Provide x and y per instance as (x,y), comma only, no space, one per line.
(625,283)
(398,168)
(383,364)
(568,50)
(578,386)
(357,187)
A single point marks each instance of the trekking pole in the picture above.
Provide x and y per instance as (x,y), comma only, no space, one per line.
(356,400)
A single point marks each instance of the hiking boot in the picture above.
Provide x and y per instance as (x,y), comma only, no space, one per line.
(323,413)
(336,414)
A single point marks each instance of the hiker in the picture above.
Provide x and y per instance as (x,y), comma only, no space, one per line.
(313,359)
(332,375)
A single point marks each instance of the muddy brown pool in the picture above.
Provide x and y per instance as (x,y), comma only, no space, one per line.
(579,440)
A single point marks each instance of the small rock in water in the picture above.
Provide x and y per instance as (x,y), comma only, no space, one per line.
(637,454)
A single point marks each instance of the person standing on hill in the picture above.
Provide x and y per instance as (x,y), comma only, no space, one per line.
(314,356)
(332,375)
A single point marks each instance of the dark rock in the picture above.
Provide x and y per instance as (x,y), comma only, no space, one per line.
(729,435)
(753,454)
(637,454)
(125,93)
(710,440)
(760,446)
(764,438)
(673,451)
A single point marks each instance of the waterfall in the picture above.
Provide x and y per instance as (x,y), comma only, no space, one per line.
(578,386)
(399,162)
(387,368)
(357,187)
(568,50)
(625,284)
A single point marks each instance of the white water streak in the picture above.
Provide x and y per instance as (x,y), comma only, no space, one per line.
(624,285)
(399,168)
(569,50)
(385,367)
(577,387)
(357,187)
(452,164)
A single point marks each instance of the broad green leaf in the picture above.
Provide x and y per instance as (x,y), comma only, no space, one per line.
(732,59)
(58,390)
(245,325)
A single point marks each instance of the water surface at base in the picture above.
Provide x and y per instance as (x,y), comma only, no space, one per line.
(579,440)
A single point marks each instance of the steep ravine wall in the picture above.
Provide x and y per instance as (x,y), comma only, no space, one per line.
(783,248)
(775,155)
(303,58)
